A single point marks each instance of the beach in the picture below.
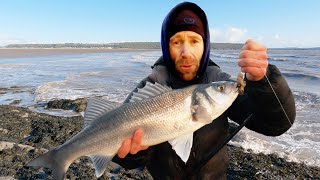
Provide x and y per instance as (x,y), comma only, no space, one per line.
(38,82)
(8,53)
(26,134)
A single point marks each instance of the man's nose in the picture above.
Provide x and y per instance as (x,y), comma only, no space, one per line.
(185,50)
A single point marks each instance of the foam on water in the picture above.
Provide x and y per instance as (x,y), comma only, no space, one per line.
(287,145)
(55,112)
(72,76)
(146,57)
(284,146)
(301,143)
(85,85)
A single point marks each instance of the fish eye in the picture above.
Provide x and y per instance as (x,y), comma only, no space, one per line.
(221,88)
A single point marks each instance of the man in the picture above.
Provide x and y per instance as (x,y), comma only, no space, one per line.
(185,61)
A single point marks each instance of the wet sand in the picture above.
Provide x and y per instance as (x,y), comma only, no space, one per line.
(7,53)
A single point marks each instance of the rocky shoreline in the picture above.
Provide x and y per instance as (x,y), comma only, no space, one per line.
(25,134)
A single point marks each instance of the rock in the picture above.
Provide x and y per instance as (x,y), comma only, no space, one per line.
(15,102)
(4,131)
(260,166)
(78,105)
(45,132)
(9,145)
(6,178)
(22,140)
(25,115)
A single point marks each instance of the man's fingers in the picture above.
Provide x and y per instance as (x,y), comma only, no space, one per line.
(248,41)
(253,60)
(247,62)
(136,141)
(132,145)
(254,73)
(144,147)
(254,46)
(125,148)
(253,54)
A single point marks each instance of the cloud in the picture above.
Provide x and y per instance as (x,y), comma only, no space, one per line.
(240,35)
(278,41)
(229,35)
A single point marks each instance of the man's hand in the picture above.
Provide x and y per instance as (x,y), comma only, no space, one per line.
(253,60)
(132,145)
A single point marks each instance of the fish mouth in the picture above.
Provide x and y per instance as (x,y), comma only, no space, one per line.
(233,86)
(240,87)
(241,83)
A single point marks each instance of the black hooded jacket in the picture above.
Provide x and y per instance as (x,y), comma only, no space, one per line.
(258,99)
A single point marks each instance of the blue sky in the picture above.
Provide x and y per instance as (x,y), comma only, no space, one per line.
(274,23)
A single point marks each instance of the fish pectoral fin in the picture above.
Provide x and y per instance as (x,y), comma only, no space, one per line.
(100,163)
(97,107)
(182,145)
(200,113)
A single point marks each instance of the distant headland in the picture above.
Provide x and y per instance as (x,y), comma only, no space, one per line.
(121,45)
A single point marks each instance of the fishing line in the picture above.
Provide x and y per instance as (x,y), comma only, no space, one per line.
(220,146)
(207,157)
(276,96)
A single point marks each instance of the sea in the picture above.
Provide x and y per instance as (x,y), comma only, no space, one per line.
(28,82)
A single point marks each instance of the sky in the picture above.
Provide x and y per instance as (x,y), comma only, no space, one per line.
(274,23)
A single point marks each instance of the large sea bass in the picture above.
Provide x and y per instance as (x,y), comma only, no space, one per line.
(164,115)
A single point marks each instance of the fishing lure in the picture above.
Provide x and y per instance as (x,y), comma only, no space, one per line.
(241,83)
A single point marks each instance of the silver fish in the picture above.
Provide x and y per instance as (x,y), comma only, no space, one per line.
(164,115)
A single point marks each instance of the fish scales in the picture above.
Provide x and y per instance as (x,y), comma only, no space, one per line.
(164,112)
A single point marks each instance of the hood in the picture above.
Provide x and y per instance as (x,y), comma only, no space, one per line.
(165,39)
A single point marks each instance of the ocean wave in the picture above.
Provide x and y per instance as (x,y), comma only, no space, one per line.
(86,84)
(278,59)
(287,57)
(307,105)
(148,58)
(307,97)
(224,56)
(301,76)
(10,65)
(286,146)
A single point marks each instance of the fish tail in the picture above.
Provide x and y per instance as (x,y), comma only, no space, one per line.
(54,161)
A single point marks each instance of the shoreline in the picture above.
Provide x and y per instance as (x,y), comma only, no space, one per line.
(25,134)
(11,53)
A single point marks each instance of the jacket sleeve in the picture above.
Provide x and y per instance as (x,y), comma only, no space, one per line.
(259,99)
(142,157)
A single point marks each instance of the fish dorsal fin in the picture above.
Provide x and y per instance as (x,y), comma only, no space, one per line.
(100,163)
(97,107)
(182,145)
(148,91)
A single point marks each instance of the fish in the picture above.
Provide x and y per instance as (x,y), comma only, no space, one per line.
(165,114)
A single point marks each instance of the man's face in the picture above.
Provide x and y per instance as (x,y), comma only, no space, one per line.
(186,49)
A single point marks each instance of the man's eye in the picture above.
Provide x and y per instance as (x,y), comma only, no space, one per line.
(176,43)
(195,41)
